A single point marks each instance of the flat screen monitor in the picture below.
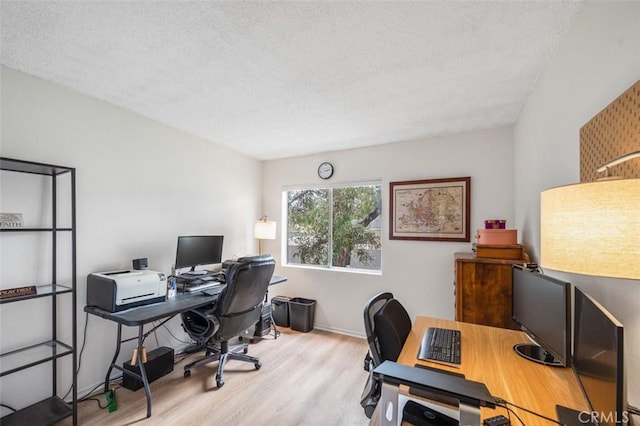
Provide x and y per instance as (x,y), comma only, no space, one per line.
(541,306)
(598,360)
(198,250)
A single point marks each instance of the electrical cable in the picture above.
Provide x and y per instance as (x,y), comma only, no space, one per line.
(508,414)
(633,410)
(84,341)
(173,335)
(92,397)
(96,400)
(10,408)
(506,403)
(510,411)
(155,334)
(178,358)
(88,394)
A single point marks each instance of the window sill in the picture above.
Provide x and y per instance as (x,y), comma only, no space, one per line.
(325,268)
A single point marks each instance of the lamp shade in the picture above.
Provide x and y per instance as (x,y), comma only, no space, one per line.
(592,228)
(264,230)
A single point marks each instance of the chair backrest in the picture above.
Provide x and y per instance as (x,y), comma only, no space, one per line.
(240,303)
(387,325)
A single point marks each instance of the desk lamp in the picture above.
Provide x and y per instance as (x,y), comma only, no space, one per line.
(264,230)
(593,228)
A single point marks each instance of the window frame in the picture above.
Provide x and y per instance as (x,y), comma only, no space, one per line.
(285,228)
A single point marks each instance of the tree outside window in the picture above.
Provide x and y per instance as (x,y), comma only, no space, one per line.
(344,222)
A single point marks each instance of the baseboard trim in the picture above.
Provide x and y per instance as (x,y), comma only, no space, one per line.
(340,331)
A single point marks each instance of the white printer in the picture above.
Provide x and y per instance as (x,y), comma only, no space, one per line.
(118,290)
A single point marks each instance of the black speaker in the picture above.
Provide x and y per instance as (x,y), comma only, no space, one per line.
(141,263)
(159,363)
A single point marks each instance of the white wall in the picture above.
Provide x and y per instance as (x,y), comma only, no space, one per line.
(140,184)
(599,59)
(419,273)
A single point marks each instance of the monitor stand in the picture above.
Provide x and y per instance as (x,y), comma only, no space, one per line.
(536,354)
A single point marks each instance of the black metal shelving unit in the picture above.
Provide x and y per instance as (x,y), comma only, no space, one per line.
(54,408)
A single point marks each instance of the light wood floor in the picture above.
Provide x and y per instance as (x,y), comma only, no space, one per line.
(310,378)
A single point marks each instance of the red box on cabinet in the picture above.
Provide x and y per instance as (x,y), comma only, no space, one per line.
(497,236)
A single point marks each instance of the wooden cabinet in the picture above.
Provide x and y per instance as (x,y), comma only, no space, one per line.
(483,290)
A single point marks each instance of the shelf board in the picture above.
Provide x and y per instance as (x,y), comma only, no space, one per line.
(31,167)
(30,356)
(34,229)
(41,291)
(45,412)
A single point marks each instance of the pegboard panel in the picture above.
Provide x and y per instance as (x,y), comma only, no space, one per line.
(612,133)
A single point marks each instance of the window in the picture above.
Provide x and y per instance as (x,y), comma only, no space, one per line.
(334,227)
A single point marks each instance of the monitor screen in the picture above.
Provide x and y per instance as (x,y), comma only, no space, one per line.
(598,359)
(541,306)
(198,250)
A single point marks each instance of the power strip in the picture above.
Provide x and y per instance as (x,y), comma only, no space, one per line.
(110,395)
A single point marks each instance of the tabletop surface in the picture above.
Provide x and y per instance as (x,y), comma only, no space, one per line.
(180,303)
(488,357)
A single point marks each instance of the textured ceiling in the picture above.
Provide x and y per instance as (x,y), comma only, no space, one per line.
(280,79)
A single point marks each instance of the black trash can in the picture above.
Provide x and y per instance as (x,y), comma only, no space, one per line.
(280,310)
(301,314)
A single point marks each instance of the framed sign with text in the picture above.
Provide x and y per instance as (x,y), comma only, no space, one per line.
(10,220)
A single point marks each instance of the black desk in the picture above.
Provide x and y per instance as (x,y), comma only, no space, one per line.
(139,316)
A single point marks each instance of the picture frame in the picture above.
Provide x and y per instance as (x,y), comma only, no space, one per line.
(430,210)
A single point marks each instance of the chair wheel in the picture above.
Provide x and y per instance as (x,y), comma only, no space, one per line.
(187,373)
(220,383)
(257,365)
(245,350)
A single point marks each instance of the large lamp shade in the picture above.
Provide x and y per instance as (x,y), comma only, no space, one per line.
(592,228)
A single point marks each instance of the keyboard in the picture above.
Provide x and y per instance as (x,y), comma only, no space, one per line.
(440,345)
(199,287)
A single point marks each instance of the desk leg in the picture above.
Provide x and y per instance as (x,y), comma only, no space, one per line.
(276,333)
(143,372)
(113,361)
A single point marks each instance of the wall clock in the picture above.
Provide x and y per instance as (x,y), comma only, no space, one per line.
(325,170)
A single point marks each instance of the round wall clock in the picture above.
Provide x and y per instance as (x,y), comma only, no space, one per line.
(325,170)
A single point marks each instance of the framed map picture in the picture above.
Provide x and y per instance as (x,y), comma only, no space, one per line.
(430,210)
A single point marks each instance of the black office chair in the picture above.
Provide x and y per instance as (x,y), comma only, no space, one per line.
(387,325)
(238,308)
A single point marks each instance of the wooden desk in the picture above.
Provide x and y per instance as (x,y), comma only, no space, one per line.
(141,315)
(488,357)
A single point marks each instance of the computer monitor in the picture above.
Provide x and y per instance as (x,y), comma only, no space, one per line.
(598,360)
(541,306)
(198,250)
